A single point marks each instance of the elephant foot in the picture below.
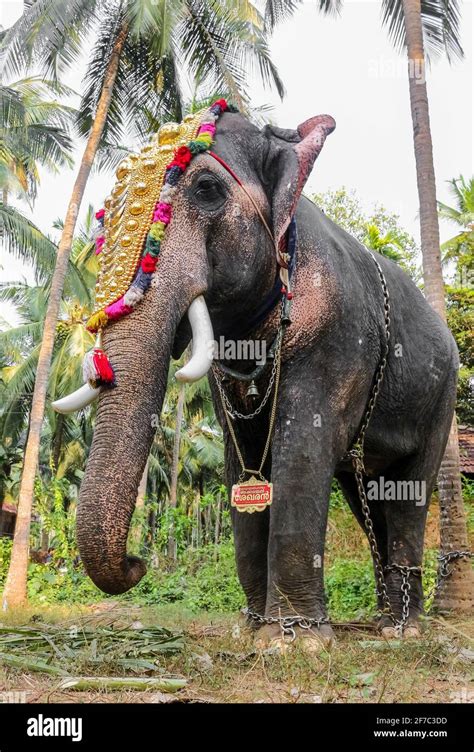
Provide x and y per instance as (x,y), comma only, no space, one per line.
(411,631)
(247,624)
(310,640)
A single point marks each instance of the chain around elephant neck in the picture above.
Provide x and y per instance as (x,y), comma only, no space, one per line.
(274,380)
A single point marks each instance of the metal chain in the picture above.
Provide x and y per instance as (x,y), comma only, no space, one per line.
(287,623)
(224,398)
(245,470)
(379,572)
(405,586)
(356,453)
(447,558)
(444,570)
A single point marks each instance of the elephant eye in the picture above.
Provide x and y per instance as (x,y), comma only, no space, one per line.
(209,193)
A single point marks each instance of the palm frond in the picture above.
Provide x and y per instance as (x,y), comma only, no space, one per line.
(48,35)
(440,21)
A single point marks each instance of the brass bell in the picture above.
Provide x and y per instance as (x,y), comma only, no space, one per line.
(252,391)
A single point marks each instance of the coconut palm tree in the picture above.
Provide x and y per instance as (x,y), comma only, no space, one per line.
(457,591)
(460,248)
(33,129)
(133,74)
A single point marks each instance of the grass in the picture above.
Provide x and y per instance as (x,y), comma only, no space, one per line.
(212,658)
(219,662)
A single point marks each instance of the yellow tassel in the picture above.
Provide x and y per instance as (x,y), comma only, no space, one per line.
(205,138)
(157,230)
(97,321)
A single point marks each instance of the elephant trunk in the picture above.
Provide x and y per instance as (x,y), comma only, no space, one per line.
(126,420)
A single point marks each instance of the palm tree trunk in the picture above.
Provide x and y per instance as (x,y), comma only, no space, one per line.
(14,593)
(174,467)
(457,591)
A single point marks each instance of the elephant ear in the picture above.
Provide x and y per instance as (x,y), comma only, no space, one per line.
(289,161)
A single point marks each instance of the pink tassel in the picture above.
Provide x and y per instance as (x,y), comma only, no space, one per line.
(118,309)
(99,244)
(208,128)
(162,213)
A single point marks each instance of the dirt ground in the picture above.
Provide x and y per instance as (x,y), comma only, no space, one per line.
(221,664)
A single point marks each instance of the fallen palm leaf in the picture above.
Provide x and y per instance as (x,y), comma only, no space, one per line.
(117,684)
(28,665)
(52,649)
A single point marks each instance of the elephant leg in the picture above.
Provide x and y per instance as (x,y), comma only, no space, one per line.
(414,479)
(398,502)
(250,530)
(302,470)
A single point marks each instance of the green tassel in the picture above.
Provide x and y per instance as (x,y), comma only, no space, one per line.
(197,147)
(152,246)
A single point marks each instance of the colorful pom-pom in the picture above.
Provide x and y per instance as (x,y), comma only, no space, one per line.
(118,309)
(148,263)
(162,213)
(157,231)
(152,246)
(99,244)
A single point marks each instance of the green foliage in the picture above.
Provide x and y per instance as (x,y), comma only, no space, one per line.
(215,585)
(177,522)
(379,230)
(205,579)
(58,518)
(48,583)
(468,496)
(460,312)
(5,553)
(430,570)
(350,589)
(337,499)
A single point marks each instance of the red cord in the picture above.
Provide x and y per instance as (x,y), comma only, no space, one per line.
(225,165)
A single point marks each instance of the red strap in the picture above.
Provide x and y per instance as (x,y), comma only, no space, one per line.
(282,259)
(225,165)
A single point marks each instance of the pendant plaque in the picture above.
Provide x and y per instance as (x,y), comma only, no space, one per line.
(252,496)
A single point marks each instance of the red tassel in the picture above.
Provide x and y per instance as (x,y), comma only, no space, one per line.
(105,372)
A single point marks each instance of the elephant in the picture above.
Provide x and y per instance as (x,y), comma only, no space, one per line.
(218,250)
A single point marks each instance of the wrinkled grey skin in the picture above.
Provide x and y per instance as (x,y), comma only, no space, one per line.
(216,245)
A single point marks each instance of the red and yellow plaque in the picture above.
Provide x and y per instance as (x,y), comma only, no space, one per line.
(252,496)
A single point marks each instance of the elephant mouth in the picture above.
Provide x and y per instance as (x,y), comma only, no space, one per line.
(182,338)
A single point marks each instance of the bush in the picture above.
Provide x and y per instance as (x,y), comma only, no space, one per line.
(206,579)
(350,589)
(5,553)
(215,585)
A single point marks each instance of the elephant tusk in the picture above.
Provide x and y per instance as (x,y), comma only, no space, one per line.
(77,400)
(203,343)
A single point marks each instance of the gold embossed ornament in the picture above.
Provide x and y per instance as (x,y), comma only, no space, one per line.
(252,495)
(129,209)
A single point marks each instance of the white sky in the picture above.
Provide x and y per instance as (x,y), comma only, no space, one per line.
(345,67)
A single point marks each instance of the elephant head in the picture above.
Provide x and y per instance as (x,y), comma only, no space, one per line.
(217,264)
